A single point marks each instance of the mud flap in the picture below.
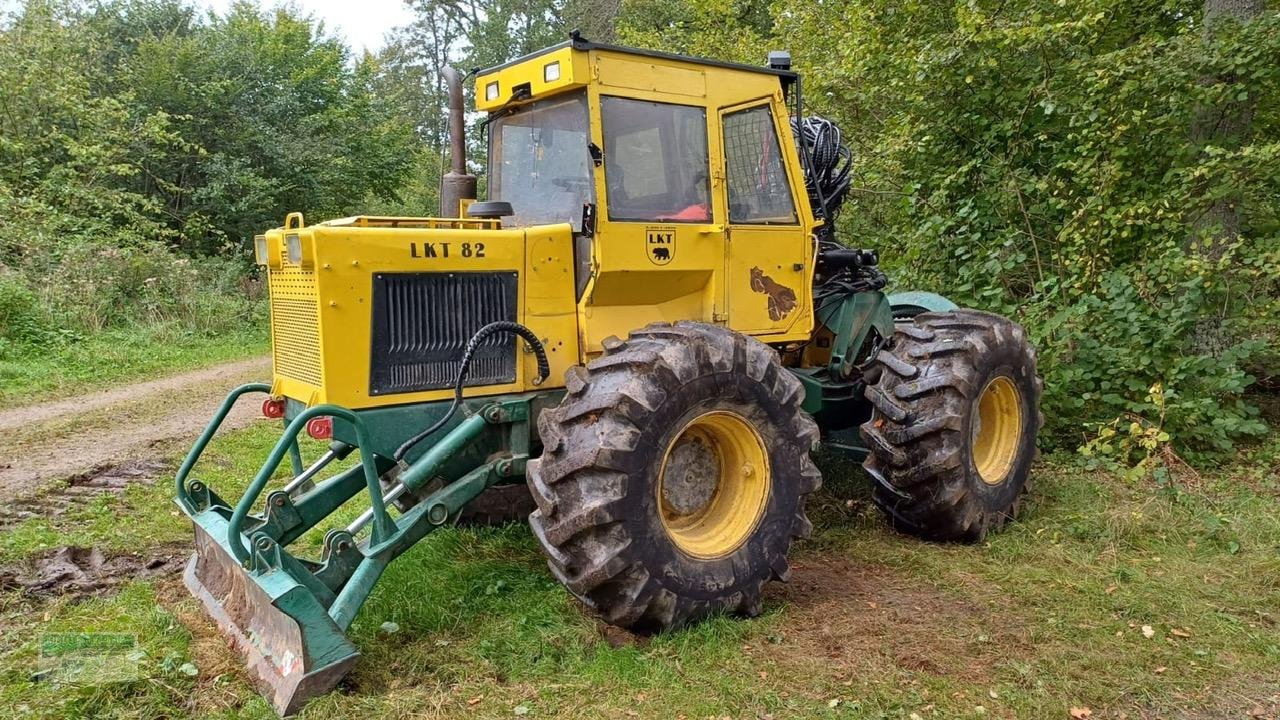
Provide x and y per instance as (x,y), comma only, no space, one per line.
(292,647)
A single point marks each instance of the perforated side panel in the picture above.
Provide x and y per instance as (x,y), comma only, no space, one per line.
(295,324)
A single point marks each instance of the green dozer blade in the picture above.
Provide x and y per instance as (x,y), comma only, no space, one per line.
(291,646)
(288,616)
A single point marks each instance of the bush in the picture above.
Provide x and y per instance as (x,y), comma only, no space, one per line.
(101,287)
(20,314)
(1104,350)
(1052,161)
(86,288)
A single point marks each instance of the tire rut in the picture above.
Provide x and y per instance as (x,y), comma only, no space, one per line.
(41,444)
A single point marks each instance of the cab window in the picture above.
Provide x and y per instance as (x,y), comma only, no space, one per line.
(656,165)
(758,188)
(538,161)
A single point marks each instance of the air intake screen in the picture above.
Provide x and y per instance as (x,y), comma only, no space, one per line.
(421,325)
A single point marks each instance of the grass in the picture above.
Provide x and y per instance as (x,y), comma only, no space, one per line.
(1127,598)
(99,360)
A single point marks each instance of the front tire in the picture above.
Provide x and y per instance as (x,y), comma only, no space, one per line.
(673,476)
(952,434)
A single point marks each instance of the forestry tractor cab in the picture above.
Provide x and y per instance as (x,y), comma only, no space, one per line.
(649,325)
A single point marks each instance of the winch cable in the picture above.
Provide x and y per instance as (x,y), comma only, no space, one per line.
(828,169)
(828,179)
(502,326)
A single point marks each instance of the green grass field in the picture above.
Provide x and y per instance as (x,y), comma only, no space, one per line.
(116,356)
(1126,599)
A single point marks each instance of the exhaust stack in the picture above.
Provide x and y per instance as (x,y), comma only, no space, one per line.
(456,185)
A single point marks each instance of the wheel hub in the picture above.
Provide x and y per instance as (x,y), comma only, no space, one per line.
(996,430)
(713,484)
(692,475)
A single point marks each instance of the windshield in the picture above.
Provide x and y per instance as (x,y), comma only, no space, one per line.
(538,162)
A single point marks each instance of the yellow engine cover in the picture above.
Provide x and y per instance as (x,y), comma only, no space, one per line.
(329,344)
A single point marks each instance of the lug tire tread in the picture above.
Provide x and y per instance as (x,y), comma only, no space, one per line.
(915,437)
(580,481)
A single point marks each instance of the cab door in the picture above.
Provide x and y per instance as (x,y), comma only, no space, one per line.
(658,252)
(767,248)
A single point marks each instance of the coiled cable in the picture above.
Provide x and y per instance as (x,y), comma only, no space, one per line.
(502,326)
(828,169)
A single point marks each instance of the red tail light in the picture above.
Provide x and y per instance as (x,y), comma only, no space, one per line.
(320,428)
(273,409)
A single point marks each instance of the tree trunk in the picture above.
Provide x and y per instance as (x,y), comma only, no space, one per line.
(1226,125)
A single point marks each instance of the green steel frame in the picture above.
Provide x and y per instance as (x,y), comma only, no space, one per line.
(836,403)
(288,615)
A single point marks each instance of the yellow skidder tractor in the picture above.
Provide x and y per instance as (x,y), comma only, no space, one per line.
(640,336)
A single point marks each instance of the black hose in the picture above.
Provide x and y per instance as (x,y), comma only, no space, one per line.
(828,169)
(502,326)
(828,178)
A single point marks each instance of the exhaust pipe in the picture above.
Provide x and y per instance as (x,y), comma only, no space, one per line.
(456,185)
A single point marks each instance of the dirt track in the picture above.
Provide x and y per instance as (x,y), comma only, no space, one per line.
(47,442)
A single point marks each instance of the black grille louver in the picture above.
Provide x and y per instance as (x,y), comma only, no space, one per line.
(422,322)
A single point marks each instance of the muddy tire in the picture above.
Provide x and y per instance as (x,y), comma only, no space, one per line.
(674,476)
(498,505)
(952,434)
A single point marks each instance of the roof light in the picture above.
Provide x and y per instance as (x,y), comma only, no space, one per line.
(293,248)
(491,91)
(551,71)
(260,249)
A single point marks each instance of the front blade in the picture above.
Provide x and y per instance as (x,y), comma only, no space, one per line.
(293,649)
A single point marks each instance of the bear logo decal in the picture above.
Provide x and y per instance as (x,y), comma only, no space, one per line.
(660,244)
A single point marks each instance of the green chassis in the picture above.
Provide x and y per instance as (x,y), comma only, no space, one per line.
(289,616)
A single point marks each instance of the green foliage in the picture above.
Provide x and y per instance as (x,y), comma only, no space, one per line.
(274,115)
(1106,173)
(735,30)
(142,145)
(68,154)
(19,310)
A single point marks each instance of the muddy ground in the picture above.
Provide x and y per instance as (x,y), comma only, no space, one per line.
(56,456)
(47,443)
(82,571)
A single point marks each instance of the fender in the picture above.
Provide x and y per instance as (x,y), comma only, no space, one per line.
(912,303)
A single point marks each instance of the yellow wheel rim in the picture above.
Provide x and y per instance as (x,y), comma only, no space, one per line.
(713,484)
(997,430)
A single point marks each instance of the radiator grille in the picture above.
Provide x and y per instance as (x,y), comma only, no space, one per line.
(421,325)
(295,325)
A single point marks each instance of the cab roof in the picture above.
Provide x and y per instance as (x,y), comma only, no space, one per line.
(567,53)
(577,42)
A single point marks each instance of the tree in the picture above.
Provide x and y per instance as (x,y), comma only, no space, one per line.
(1226,123)
(276,117)
(69,155)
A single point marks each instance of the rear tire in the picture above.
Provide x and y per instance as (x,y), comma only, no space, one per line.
(674,476)
(952,434)
(497,505)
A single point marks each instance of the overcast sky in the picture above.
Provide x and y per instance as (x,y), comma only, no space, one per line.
(361,22)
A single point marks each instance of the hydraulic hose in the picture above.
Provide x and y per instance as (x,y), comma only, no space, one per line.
(828,169)
(502,326)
